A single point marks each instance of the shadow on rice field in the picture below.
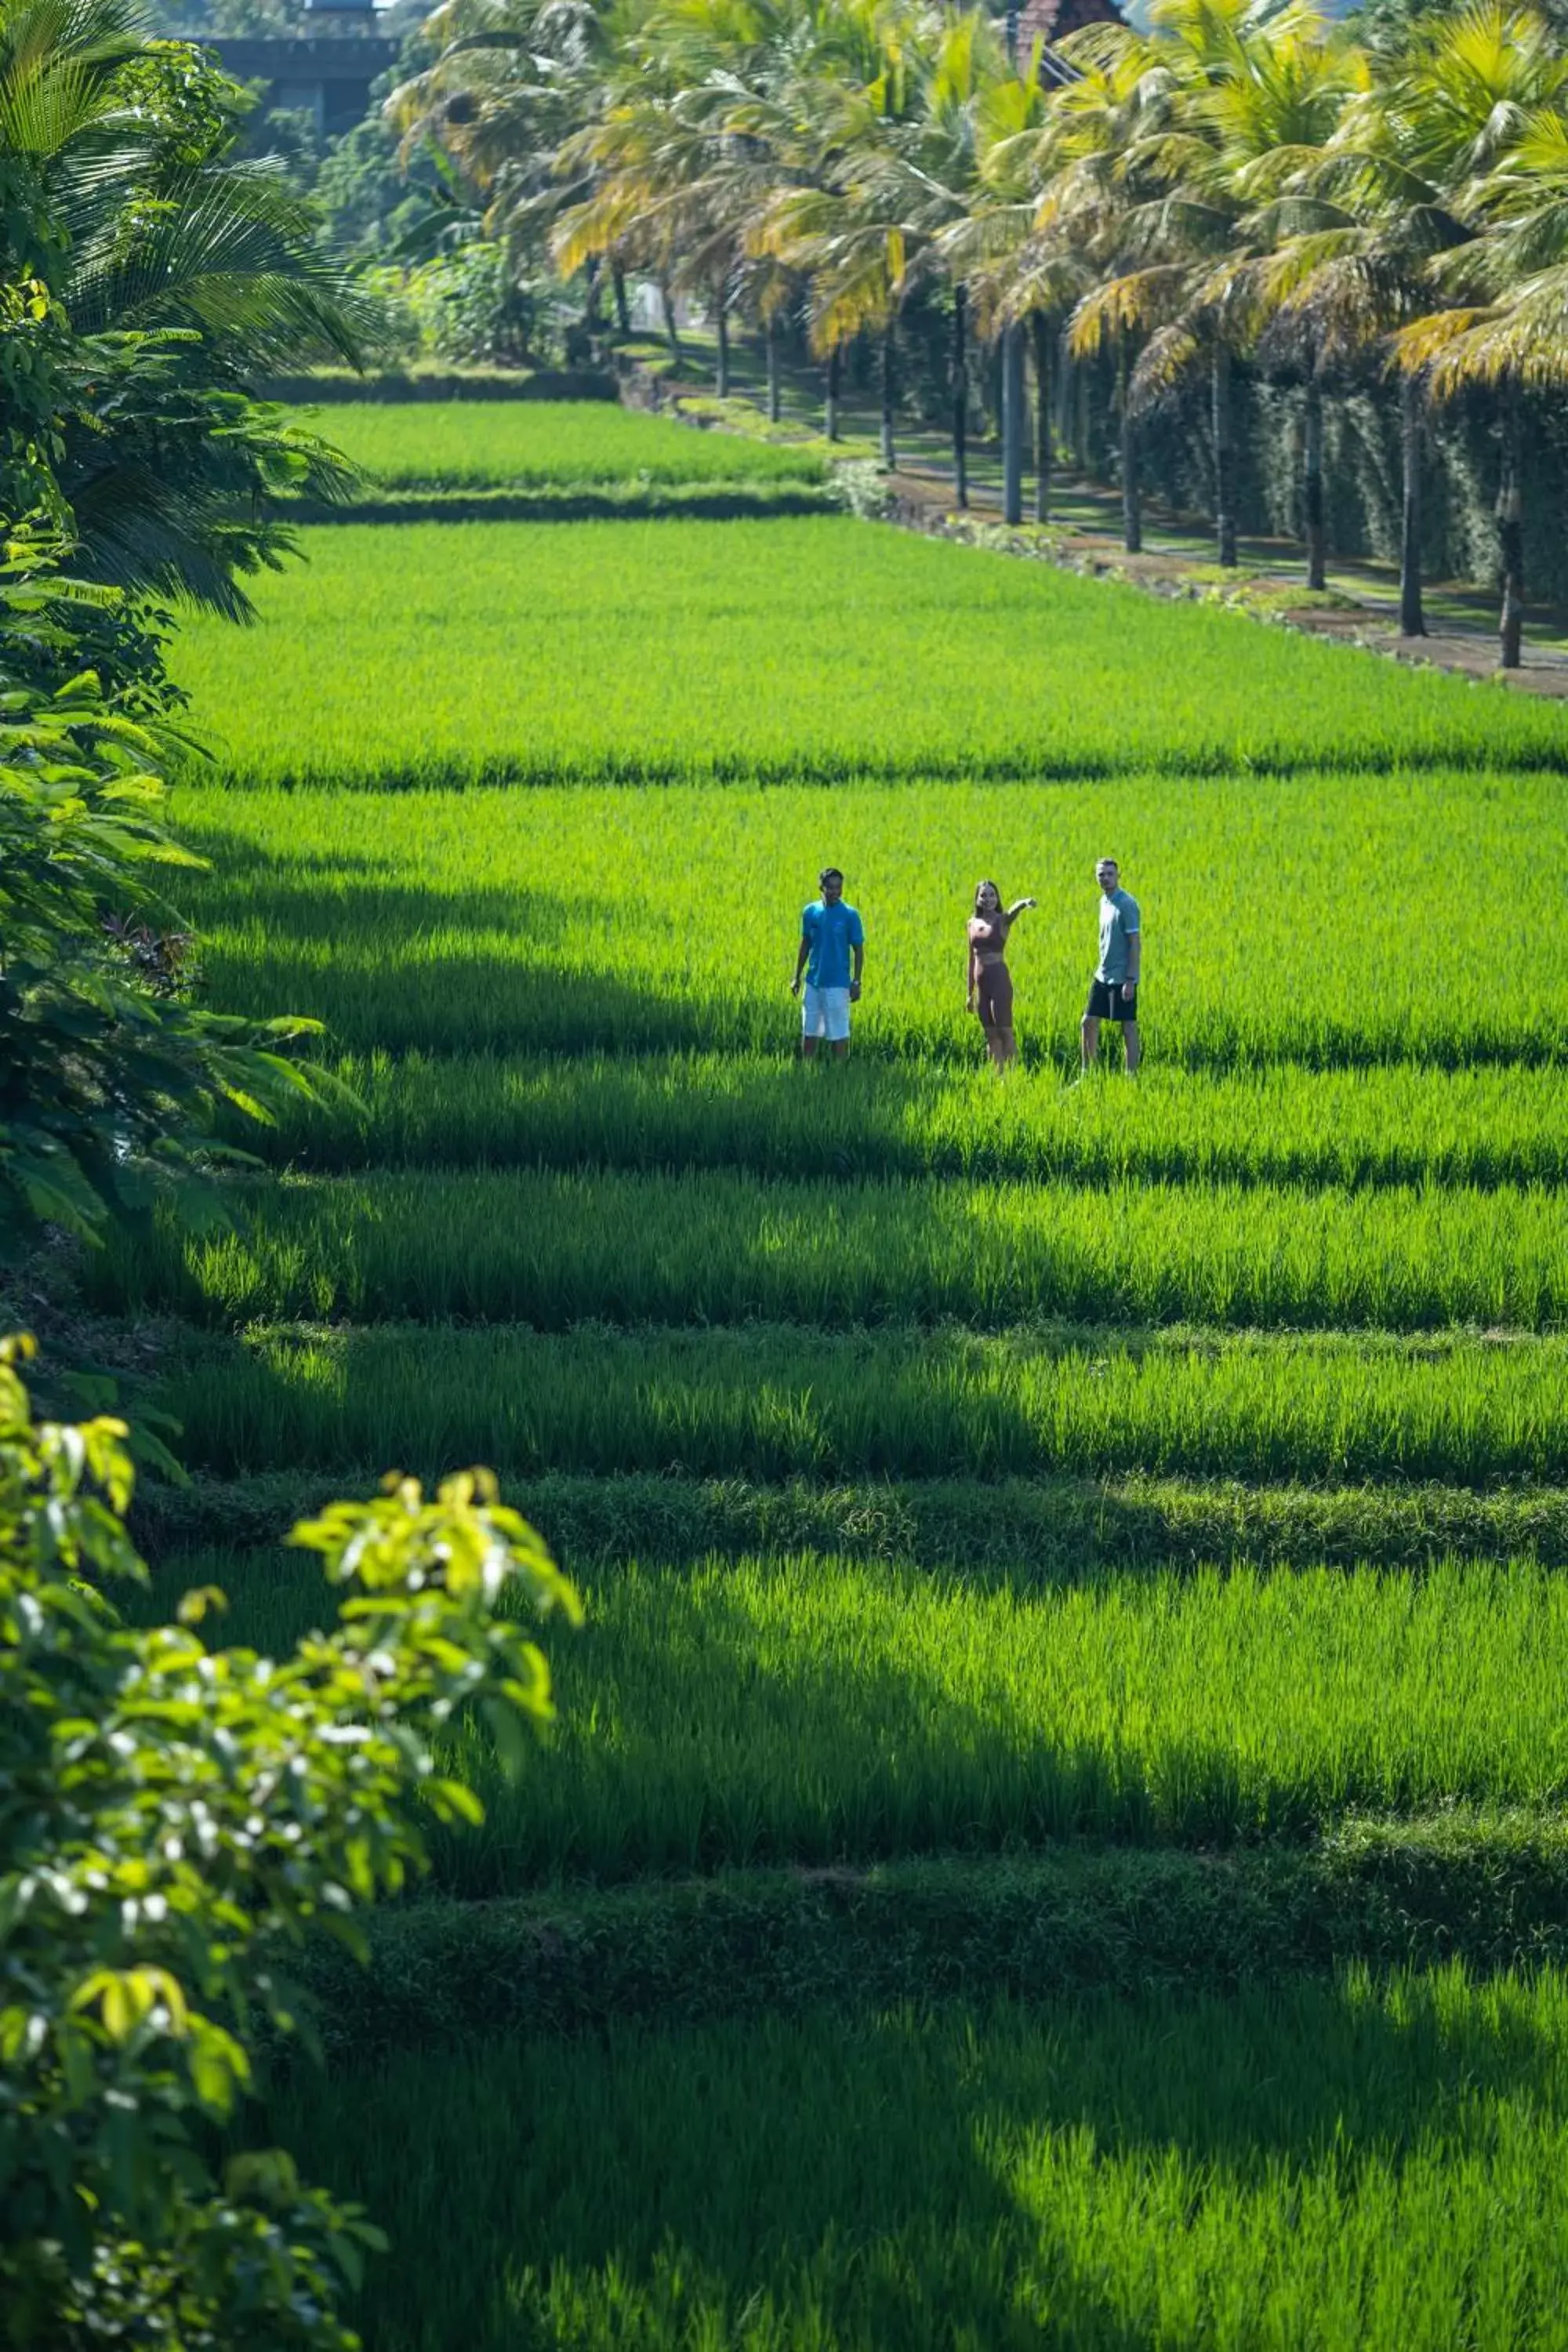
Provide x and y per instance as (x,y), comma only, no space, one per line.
(1353,2165)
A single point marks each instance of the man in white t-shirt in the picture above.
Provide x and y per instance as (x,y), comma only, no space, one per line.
(1113,991)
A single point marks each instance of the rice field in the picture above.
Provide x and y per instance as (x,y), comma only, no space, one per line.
(606,920)
(444,445)
(804,1709)
(1398,1123)
(1161,1485)
(758,1401)
(552,1250)
(460,654)
(1297,2166)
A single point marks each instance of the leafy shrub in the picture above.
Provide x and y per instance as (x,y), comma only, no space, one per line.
(168,1817)
(110,1075)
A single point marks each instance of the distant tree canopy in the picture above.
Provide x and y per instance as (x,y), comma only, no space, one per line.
(1234,183)
(152,275)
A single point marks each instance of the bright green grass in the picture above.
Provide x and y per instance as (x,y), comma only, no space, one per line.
(779,650)
(1349,2167)
(771,1404)
(1404,1123)
(539,443)
(556,1250)
(1311,920)
(822,1711)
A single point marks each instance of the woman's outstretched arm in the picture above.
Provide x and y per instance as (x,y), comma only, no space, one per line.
(1018,907)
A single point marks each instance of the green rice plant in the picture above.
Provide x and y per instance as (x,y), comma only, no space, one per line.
(544,444)
(1367,2166)
(1400,1123)
(788,650)
(555,1250)
(814,1710)
(768,1403)
(575,920)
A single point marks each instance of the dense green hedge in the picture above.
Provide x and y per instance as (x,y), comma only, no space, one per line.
(1489,1890)
(1044,1530)
(1362,475)
(1360,451)
(420,382)
(630,502)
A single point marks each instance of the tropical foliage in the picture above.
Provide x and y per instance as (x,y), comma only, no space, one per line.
(170,1817)
(111,1074)
(1237,183)
(151,275)
(145,275)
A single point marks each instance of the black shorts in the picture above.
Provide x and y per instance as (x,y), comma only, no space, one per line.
(1106,1001)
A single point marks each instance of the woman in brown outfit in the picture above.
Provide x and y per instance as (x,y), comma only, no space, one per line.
(990,981)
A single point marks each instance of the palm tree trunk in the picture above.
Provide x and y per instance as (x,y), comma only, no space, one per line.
(722,365)
(830,397)
(888,453)
(1412,619)
(1224,456)
(1040,336)
(592,291)
(1012,424)
(671,331)
(1313,487)
(622,316)
(1132,506)
(960,398)
(773,406)
(1510,536)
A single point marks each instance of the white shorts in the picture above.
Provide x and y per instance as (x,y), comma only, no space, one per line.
(826,1013)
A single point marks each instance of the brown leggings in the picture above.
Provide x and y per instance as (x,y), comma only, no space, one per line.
(993,996)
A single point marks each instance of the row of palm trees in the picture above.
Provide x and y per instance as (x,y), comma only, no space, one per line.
(1237,183)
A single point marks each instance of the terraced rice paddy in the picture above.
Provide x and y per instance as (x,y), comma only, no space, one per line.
(1292,2168)
(460,654)
(1056,1828)
(440,445)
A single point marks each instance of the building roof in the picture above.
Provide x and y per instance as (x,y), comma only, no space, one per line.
(1052,20)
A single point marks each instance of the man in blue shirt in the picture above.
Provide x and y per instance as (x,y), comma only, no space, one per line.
(832,948)
(1113,991)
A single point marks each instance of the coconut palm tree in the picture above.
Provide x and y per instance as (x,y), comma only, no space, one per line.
(512,82)
(970,79)
(1231,111)
(1491,87)
(1006,274)
(1345,253)
(1086,208)
(855,221)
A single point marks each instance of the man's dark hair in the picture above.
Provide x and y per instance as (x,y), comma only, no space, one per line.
(830,874)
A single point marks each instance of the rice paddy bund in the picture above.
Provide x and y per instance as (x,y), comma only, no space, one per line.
(1055,1835)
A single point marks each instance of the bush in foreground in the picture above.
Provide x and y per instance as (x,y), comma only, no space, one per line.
(169,1817)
